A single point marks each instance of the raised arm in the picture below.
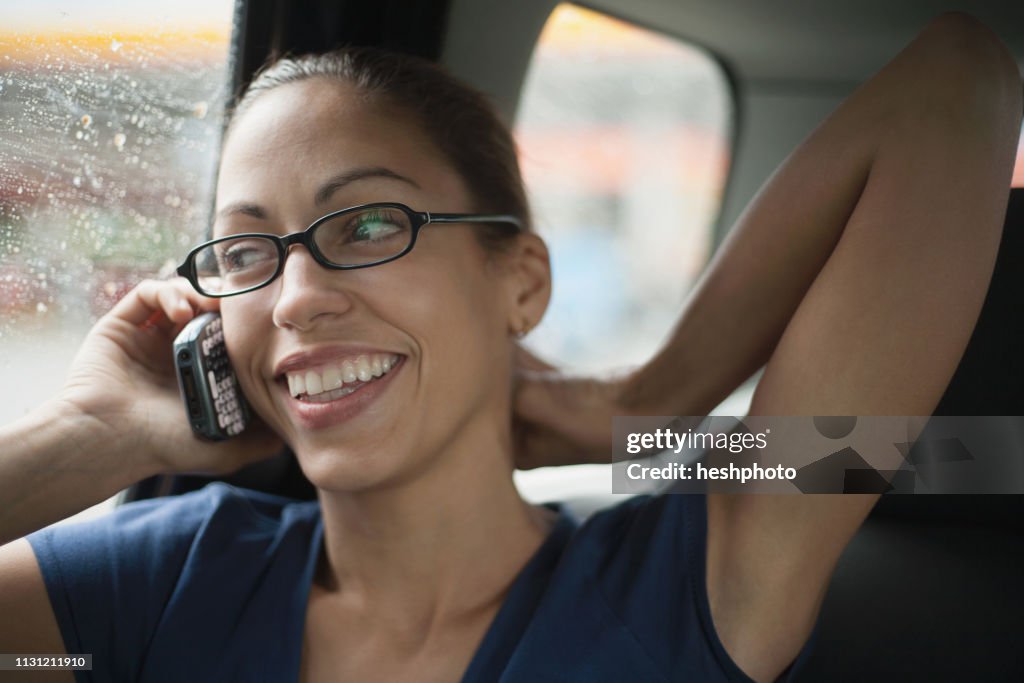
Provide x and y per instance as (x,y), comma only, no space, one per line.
(857,273)
(882,226)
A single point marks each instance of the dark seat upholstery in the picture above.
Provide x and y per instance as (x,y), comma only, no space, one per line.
(930,588)
(280,475)
(916,600)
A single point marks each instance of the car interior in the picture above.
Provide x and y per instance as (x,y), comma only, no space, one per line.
(929,589)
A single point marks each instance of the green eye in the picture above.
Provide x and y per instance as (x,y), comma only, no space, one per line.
(375,226)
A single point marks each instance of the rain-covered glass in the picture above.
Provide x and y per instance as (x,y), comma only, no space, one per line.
(110,121)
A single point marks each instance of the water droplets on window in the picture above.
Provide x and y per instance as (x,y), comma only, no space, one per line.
(110,120)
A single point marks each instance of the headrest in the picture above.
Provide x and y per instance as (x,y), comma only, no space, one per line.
(990,377)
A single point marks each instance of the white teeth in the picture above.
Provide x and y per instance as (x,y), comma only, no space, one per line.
(298,384)
(327,382)
(364,369)
(348,372)
(332,378)
(330,395)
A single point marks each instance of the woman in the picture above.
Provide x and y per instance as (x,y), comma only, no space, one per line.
(420,562)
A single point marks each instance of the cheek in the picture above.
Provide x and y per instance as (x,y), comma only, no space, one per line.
(236,332)
(456,321)
(242,333)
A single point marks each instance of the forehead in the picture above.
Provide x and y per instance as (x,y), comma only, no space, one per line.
(316,111)
(295,136)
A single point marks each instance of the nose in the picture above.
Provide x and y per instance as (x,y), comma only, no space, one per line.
(307,292)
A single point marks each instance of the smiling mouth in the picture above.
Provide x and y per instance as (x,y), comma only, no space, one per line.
(332,381)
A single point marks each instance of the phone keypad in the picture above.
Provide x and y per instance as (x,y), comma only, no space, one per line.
(222,381)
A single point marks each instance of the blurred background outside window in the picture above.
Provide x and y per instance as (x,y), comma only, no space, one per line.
(110,119)
(624,138)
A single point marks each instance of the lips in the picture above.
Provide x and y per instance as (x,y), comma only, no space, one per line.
(329,388)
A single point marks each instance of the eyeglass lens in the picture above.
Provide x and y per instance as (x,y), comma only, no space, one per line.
(349,239)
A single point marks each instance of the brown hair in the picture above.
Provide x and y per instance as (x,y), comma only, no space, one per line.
(458,119)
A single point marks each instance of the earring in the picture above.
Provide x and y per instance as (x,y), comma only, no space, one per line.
(521,331)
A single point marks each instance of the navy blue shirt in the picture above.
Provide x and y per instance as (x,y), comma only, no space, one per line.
(213,586)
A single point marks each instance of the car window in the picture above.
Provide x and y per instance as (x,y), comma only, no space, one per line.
(624,138)
(110,120)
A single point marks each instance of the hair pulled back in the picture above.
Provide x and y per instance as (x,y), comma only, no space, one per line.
(458,119)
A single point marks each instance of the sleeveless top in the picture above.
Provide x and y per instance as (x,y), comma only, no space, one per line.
(213,586)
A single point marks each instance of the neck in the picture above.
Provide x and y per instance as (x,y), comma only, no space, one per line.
(443,544)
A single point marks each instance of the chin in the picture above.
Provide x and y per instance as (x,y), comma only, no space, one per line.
(344,470)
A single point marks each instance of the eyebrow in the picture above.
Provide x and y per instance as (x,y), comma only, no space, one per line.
(324,193)
(342,179)
(244,208)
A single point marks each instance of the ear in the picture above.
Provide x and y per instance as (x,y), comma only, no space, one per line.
(528,282)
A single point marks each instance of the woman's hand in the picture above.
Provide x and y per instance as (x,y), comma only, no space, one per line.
(562,420)
(124,378)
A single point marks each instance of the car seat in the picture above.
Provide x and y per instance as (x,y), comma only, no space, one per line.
(930,587)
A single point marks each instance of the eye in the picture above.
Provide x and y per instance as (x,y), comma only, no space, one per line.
(372,234)
(244,254)
(376,225)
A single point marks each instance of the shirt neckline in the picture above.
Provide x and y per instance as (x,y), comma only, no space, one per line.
(501,635)
(523,596)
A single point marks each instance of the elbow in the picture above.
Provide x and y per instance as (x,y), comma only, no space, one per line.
(965,69)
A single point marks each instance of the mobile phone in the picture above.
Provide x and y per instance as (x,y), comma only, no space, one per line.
(213,400)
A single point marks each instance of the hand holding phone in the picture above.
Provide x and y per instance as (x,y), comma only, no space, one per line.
(213,400)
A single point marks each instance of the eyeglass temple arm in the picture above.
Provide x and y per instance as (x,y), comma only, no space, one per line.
(473,218)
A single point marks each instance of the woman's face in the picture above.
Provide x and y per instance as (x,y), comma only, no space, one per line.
(439,317)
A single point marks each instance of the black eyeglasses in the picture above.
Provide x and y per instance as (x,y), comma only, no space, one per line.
(358,237)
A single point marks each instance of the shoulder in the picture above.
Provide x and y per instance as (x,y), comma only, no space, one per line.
(633,577)
(161,527)
(646,565)
(154,540)
(155,567)
(645,524)
(646,556)
(649,550)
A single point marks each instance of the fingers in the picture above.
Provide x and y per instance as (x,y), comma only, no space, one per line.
(259,439)
(533,385)
(548,397)
(534,399)
(157,303)
(177,450)
(258,442)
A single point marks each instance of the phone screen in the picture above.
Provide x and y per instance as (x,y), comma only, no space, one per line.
(213,399)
